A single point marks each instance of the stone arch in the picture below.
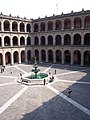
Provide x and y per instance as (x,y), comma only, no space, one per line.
(22,40)
(42,40)
(67,57)
(77,57)
(87,22)
(43,55)
(57,40)
(87,58)
(8,58)
(16,57)
(6,41)
(22,56)
(36,41)
(58,25)
(15,41)
(77,39)
(6,25)
(50,25)
(0,41)
(58,56)
(42,26)
(1,59)
(36,28)
(28,27)
(50,56)
(67,39)
(50,40)
(28,55)
(28,40)
(77,23)
(14,26)
(37,54)
(67,24)
(87,39)
(22,27)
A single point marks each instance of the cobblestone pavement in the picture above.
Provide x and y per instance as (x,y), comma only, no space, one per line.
(49,102)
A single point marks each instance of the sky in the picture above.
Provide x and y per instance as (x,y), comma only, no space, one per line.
(41,8)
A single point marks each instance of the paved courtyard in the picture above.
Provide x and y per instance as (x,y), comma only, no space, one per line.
(49,102)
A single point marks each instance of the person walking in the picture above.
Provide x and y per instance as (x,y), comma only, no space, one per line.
(44,82)
(69,92)
(55,71)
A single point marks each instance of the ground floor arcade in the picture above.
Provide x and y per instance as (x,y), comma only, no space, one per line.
(64,56)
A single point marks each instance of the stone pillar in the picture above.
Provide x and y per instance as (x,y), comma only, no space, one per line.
(82,38)
(2,41)
(11,41)
(4,58)
(53,40)
(39,56)
(2,26)
(46,55)
(12,57)
(62,38)
(62,24)
(72,23)
(18,27)
(19,56)
(53,25)
(10,26)
(71,57)
(18,40)
(25,27)
(54,56)
(62,57)
(82,58)
(26,56)
(72,40)
(82,22)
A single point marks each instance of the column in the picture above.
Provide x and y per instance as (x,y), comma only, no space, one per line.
(11,57)
(39,56)
(62,57)
(71,57)
(62,24)
(72,40)
(46,55)
(11,41)
(2,26)
(82,38)
(54,57)
(10,26)
(2,41)
(26,56)
(4,58)
(72,23)
(19,56)
(25,27)
(82,59)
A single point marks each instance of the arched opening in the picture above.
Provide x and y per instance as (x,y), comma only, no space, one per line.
(77,39)
(28,28)
(22,27)
(67,39)
(28,41)
(77,23)
(87,39)
(87,58)
(29,56)
(50,25)
(87,22)
(6,41)
(58,40)
(14,26)
(43,55)
(16,57)
(22,41)
(77,57)
(15,41)
(42,26)
(50,40)
(67,24)
(42,40)
(58,25)
(36,41)
(1,59)
(8,58)
(6,25)
(67,57)
(36,29)
(58,56)
(22,56)
(37,55)
(0,42)
(50,56)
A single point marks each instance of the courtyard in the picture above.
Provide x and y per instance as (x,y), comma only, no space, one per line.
(50,102)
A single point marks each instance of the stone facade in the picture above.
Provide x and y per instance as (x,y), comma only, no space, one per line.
(63,39)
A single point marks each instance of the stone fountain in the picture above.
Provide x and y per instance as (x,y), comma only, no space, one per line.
(35,76)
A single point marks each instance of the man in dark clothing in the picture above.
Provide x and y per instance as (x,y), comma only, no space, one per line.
(44,81)
(69,92)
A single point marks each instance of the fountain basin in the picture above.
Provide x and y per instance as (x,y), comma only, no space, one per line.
(30,78)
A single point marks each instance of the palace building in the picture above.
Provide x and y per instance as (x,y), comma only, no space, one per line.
(62,39)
